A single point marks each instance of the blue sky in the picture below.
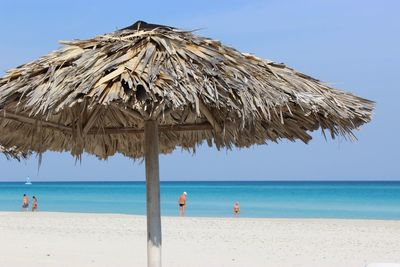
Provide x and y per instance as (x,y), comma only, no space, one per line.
(353,45)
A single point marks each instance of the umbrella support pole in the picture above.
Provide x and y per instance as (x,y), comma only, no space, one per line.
(151,148)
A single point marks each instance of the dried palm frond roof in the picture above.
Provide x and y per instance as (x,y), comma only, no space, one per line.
(13,153)
(94,95)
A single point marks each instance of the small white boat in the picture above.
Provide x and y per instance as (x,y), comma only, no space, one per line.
(28,181)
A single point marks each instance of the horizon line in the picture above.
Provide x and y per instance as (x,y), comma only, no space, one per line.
(143,181)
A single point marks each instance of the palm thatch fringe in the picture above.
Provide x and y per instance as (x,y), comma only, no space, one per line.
(13,153)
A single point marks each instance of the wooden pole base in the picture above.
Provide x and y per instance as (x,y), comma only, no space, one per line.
(152,194)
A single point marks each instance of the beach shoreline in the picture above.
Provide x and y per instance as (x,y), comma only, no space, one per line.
(92,239)
(257,200)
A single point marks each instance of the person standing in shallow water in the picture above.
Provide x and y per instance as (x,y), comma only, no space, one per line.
(236,209)
(34,203)
(25,203)
(182,204)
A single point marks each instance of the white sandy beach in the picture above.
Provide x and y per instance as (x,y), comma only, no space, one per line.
(72,239)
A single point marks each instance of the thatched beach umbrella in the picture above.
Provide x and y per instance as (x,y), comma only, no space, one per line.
(148,89)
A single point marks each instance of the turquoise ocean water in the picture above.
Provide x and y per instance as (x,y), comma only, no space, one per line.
(357,200)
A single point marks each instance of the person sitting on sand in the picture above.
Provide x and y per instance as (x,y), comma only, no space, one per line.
(182,204)
(25,202)
(236,208)
(34,203)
